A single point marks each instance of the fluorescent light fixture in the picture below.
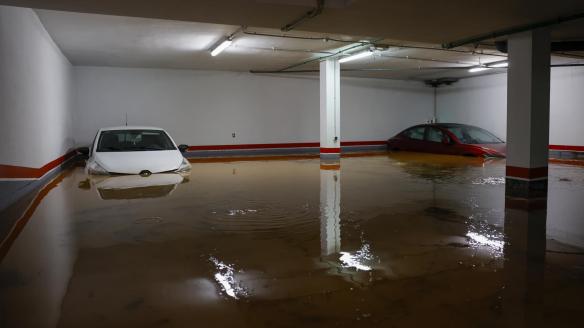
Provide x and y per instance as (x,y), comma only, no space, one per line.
(503,64)
(356,56)
(221,47)
(478,69)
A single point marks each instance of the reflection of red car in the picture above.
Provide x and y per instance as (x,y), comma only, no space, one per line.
(449,138)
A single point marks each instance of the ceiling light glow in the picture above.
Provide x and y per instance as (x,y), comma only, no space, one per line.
(225,276)
(221,47)
(478,69)
(356,56)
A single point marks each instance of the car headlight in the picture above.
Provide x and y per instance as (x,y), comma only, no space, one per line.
(184,166)
(94,168)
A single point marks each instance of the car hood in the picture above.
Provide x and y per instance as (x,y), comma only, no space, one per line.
(134,162)
(500,148)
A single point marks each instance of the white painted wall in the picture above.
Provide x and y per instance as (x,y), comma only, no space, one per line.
(482,101)
(377,109)
(567,106)
(35,89)
(205,107)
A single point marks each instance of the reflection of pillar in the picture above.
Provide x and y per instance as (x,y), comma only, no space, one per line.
(330,96)
(330,210)
(528,114)
(525,245)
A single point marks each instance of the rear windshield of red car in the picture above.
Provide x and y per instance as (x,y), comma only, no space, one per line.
(473,135)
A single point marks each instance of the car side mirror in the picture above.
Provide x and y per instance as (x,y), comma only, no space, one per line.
(83,150)
(183,148)
(446,141)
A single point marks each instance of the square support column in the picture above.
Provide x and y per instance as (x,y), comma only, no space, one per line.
(330,110)
(528,114)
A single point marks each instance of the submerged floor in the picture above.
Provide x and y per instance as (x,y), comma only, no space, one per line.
(394,240)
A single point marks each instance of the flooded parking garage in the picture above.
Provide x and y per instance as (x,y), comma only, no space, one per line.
(398,240)
(291,163)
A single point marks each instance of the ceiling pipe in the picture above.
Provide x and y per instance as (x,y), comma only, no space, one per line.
(393,69)
(351,48)
(311,14)
(276,49)
(512,30)
(556,46)
(427,59)
(309,38)
(357,70)
(357,45)
(383,45)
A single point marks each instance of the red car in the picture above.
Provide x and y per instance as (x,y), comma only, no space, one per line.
(450,139)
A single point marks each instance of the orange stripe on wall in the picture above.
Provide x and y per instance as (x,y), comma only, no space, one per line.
(22,221)
(22,172)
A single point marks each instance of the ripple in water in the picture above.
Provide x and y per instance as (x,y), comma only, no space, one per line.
(266,218)
(489,181)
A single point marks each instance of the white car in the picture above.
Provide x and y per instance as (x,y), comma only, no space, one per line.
(134,150)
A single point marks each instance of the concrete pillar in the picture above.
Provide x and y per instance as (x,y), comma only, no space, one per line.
(330,122)
(528,104)
(330,210)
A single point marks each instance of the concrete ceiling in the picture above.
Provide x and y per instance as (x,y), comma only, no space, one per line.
(412,20)
(105,40)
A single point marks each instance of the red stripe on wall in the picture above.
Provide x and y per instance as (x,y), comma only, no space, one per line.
(363,143)
(283,145)
(568,148)
(316,144)
(330,150)
(527,173)
(256,146)
(21,172)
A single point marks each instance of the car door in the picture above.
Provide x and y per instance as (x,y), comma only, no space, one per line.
(414,138)
(437,141)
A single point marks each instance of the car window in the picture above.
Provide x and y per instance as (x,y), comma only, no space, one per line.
(434,135)
(416,133)
(473,135)
(133,140)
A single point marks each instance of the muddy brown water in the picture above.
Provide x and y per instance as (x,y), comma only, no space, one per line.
(398,240)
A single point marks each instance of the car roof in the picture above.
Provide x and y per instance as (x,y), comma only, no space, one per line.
(447,125)
(131,127)
(442,125)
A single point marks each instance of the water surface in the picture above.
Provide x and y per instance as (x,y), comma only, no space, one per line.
(395,241)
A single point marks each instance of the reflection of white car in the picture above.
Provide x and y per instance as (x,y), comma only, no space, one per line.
(135,150)
(135,187)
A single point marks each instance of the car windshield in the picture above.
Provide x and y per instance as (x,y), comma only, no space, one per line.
(473,135)
(133,140)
